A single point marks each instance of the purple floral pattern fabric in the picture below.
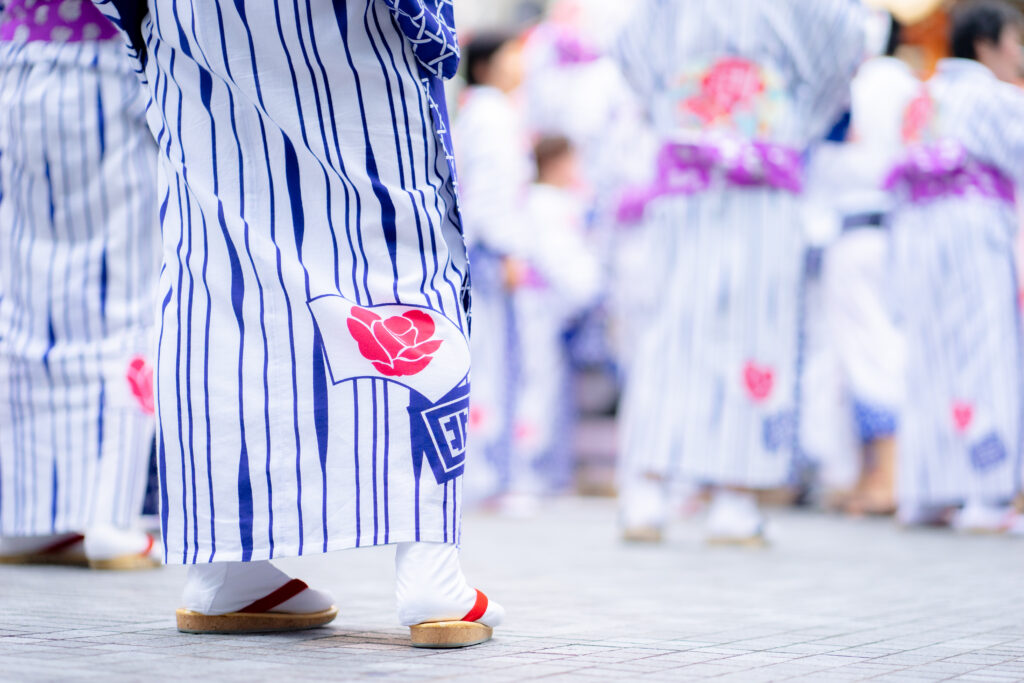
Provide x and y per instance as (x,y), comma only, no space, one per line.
(690,168)
(945,169)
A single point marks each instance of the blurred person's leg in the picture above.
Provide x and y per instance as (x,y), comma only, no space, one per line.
(739,296)
(541,400)
(79,255)
(495,353)
(871,353)
(650,349)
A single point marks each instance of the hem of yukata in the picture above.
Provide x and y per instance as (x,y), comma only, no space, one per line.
(173,556)
(955,500)
(69,525)
(752,483)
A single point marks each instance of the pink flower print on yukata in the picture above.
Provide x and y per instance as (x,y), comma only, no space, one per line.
(730,83)
(398,346)
(918,117)
(140,382)
(759,381)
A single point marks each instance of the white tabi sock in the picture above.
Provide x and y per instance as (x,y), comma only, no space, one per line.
(644,501)
(978,516)
(108,542)
(734,514)
(223,587)
(430,586)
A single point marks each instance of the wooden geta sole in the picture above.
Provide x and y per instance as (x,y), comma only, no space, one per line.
(446,634)
(126,563)
(736,541)
(257,622)
(76,559)
(642,534)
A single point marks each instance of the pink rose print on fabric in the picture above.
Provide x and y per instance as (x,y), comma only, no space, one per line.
(918,117)
(759,381)
(963,415)
(140,382)
(398,346)
(730,83)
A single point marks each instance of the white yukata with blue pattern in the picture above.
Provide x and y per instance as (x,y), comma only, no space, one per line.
(495,168)
(712,385)
(312,377)
(956,279)
(79,259)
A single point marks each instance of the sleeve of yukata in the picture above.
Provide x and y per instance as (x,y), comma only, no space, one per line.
(834,47)
(1004,134)
(491,161)
(429,26)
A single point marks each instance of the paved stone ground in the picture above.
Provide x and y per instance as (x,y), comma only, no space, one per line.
(834,600)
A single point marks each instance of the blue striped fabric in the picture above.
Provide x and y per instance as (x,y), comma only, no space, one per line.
(79,252)
(712,385)
(954,258)
(309,218)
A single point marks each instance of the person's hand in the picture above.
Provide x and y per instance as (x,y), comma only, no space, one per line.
(514,273)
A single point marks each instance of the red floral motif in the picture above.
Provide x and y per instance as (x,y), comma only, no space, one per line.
(918,117)
(140,382)
(729,83)
(963,415)
(477,417)
(759,380)
(398,346)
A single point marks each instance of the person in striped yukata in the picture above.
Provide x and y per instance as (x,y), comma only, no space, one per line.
(953,241)
(79,259)
(561,281)
(861,339)
(735,91)
(494,161)
(312,370)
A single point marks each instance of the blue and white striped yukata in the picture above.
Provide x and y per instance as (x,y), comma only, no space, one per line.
(736,91)
(79,258)
(953,244)
(312,372)
(494,170)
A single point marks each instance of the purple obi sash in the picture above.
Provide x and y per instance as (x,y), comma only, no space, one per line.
(55,21)
(690,168)
(945,169)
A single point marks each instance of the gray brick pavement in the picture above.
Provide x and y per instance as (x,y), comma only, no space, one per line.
(833,600)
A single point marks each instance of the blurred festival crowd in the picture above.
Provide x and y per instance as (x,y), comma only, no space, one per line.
(741,252)
(786,262)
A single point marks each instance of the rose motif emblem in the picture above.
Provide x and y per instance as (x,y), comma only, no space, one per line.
(398,346)
(963,415)
(140,382)
(728,84)
(918,117)
(759,381)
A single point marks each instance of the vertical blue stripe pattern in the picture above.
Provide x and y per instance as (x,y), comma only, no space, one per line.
(958,304)
(79,257)
(308,138)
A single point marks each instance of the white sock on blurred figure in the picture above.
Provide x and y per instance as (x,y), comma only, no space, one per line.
(644,503)
(979,517)
(108,542)
(734,516)
(430,586)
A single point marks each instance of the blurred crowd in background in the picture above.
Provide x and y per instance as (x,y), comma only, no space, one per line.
(778,270)
(724,255)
